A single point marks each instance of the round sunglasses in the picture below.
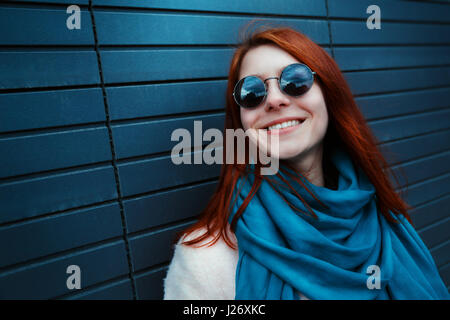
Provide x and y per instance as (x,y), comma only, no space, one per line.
(295,80)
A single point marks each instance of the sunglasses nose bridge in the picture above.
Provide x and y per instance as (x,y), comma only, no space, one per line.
(265,83)
(270,78)
(274,98)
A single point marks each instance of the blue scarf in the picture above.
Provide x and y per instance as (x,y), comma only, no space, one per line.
(283,252)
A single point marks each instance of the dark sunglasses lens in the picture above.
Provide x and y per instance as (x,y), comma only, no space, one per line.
(296,79)
(249,92)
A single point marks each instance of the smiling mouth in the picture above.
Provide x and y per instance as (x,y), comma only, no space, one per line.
(284,125)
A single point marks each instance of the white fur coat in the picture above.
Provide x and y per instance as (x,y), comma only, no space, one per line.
(202,273)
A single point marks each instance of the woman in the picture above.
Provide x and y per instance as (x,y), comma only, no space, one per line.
(329,224)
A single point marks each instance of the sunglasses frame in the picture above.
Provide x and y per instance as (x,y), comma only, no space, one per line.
(279,85)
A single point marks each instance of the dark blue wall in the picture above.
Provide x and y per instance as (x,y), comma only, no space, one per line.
(86,117)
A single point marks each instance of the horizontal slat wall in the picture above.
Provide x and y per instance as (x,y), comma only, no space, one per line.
(400,76)
(156,64)
(86,118)
(167,72)
(58,191)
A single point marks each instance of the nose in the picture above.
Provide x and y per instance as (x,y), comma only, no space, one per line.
(275,97)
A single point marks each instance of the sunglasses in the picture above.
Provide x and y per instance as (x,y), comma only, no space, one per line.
(295,80)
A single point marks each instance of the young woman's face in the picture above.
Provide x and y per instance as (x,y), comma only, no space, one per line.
(294,142)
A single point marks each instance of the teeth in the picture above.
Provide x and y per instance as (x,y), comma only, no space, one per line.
(284,124)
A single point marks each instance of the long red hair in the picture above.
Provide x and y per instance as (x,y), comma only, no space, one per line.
(347,128)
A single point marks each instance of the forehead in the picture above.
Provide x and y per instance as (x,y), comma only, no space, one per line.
(265,61)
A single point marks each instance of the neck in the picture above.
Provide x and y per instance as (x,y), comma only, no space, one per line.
(310,165)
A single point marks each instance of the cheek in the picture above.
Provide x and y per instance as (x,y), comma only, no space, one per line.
(320,124)
(318,109)
(247,118)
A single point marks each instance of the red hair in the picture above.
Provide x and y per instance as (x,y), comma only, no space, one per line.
(347,128)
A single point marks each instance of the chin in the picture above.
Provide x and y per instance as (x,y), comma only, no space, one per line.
(290,150)
(289,154)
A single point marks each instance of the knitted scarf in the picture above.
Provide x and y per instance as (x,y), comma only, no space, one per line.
(350,251)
